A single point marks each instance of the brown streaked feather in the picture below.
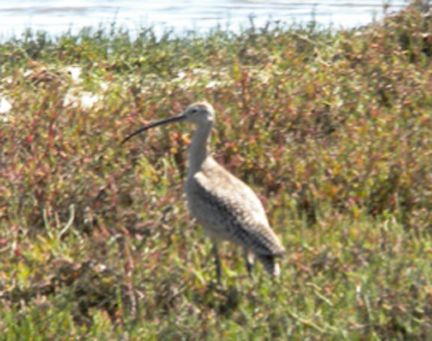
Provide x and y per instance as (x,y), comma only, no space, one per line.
(228,209)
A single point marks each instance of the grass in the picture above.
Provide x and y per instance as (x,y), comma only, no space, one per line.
(331,129)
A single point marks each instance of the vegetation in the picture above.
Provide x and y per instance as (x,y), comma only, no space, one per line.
(332,129)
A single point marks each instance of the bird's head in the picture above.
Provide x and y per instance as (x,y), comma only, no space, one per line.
(201,113)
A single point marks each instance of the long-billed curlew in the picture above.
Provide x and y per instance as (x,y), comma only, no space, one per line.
(224,205)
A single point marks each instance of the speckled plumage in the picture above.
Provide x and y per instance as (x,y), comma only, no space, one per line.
(229,210)
(224,205)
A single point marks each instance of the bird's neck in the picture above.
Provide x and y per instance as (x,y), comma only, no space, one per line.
(198,148)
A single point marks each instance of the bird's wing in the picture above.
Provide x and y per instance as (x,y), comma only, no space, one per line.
(227,207)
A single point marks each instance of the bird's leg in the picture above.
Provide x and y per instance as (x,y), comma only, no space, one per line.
(249,262)
(217,260)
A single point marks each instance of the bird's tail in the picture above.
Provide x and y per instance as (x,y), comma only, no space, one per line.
(270,264)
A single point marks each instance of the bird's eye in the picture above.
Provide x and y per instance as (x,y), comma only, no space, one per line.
(194,111)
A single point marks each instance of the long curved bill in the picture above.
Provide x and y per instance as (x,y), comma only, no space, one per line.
(177,118)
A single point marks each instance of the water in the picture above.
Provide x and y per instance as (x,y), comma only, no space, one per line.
(57,16)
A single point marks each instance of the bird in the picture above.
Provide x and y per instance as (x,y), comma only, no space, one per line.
(225,206)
